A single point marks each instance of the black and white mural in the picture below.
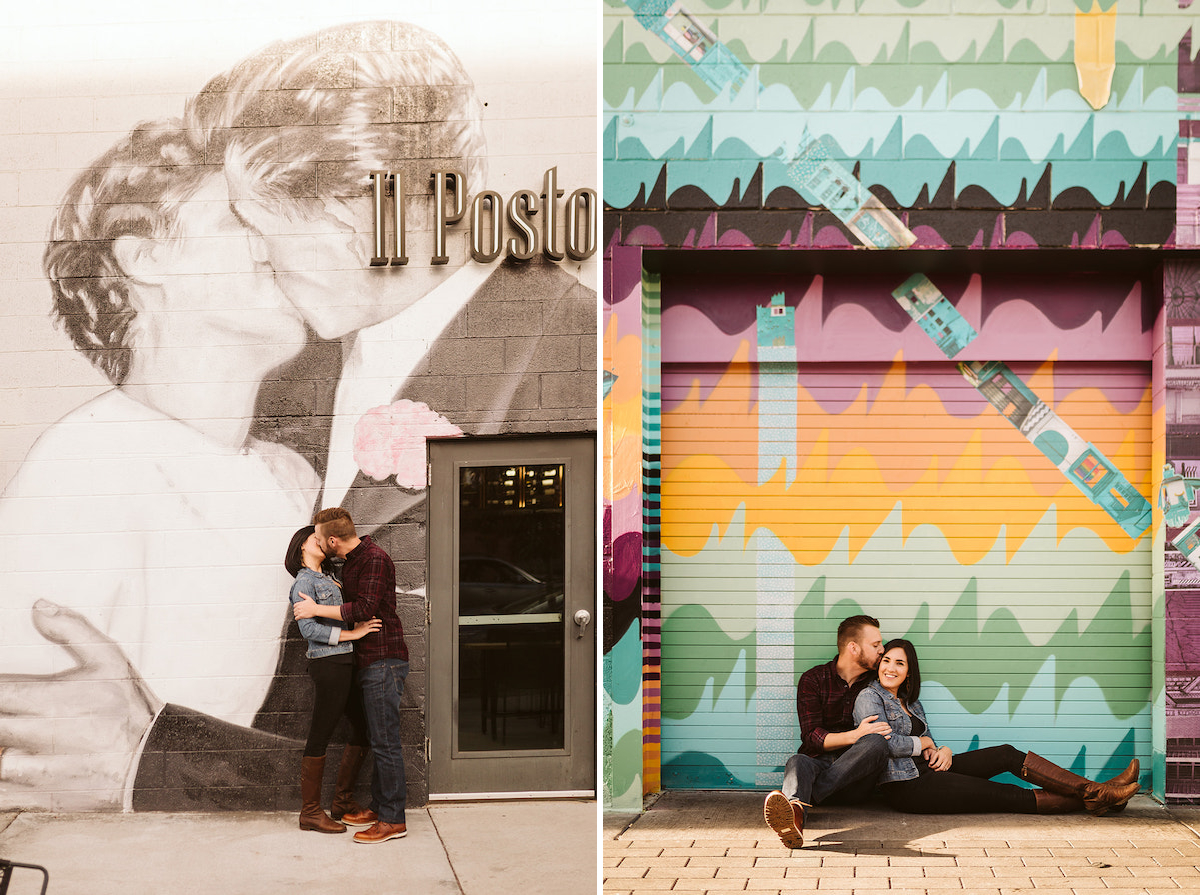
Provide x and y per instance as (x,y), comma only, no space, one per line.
(208,335)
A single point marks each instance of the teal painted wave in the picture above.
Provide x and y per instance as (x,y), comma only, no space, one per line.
(901,579)
(902,145)
(623,667)
(621,737)
(716,746)
(897,50)
(1081,659)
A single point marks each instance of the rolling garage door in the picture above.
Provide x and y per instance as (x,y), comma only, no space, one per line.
(796,494)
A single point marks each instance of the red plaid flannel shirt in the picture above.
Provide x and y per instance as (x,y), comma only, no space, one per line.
(369,591)
(825,705)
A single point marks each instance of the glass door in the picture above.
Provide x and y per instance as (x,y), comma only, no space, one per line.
(512,605)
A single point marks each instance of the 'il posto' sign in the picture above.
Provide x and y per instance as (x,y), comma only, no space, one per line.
(497,226)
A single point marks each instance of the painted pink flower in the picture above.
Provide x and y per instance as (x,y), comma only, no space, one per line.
(390,440)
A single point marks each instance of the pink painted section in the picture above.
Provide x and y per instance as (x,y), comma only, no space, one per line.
(1187,215)
(1020,240)
(688,335)
(1016,331)
(836,387)
(623,291)
(832,237)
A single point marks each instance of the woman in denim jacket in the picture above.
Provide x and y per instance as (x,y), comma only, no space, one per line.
(918,778)
(331,667)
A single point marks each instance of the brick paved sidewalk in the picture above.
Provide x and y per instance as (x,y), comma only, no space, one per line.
(716,842)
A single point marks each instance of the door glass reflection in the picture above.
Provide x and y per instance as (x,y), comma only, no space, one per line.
(511,570)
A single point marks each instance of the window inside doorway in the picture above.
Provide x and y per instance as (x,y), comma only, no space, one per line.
(511,578)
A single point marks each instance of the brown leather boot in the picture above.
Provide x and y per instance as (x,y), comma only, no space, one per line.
(786,817)
(312,817)
(1098,798)
(343,797)
(1052,803)
(1129,775)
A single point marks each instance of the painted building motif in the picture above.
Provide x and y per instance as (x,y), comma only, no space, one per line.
(934,313)
(998,508)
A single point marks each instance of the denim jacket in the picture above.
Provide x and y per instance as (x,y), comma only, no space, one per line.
(322,635)
(903,746)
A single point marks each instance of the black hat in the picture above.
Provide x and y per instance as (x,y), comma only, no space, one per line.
(293,560)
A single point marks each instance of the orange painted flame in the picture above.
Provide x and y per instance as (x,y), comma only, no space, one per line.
(973,478)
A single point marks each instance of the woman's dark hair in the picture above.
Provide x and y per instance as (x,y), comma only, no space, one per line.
(910,690)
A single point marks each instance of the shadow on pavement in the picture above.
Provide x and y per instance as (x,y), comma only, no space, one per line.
(736,817)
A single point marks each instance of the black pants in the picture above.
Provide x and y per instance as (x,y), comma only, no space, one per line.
(335,683)
(965,788)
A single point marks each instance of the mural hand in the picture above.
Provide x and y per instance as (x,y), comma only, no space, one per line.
(74,733)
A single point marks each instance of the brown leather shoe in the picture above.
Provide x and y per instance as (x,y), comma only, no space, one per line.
(785,817)
(380,831)
(363,817)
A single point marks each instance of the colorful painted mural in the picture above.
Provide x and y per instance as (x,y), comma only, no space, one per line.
(979,114)
(779,506)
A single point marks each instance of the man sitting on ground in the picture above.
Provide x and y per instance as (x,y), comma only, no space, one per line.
(837,761)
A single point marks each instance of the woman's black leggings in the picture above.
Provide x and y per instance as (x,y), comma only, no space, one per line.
(965,788)
(335,683)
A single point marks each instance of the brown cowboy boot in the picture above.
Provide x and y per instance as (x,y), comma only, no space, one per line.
(344,803)
(1052,803)
(1129,775)
(312,769)
(1098,798)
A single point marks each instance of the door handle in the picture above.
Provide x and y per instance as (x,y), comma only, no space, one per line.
(582,619)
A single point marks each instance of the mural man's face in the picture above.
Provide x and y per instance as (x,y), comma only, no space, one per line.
(321,250)
(214,277)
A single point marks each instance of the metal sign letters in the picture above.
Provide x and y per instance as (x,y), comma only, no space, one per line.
(569,231)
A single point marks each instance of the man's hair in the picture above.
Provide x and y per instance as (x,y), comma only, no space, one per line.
(312,117)
(336,522)
(136,188)
(851,629)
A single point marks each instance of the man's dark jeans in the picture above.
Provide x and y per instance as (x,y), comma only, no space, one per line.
(848,775)
(382,688)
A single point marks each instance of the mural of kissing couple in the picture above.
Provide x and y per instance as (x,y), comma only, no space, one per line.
(216,268)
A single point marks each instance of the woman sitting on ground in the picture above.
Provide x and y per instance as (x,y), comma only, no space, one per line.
(918,778)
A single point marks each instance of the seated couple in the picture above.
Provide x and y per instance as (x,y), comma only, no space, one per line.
(863,730)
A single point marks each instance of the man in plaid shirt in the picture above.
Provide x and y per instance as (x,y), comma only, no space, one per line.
(369,591)
(836,759)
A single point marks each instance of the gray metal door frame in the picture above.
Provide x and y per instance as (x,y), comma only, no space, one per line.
(571,770)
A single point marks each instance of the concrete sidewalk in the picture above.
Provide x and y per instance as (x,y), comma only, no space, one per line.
(478,848)
(708,842)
